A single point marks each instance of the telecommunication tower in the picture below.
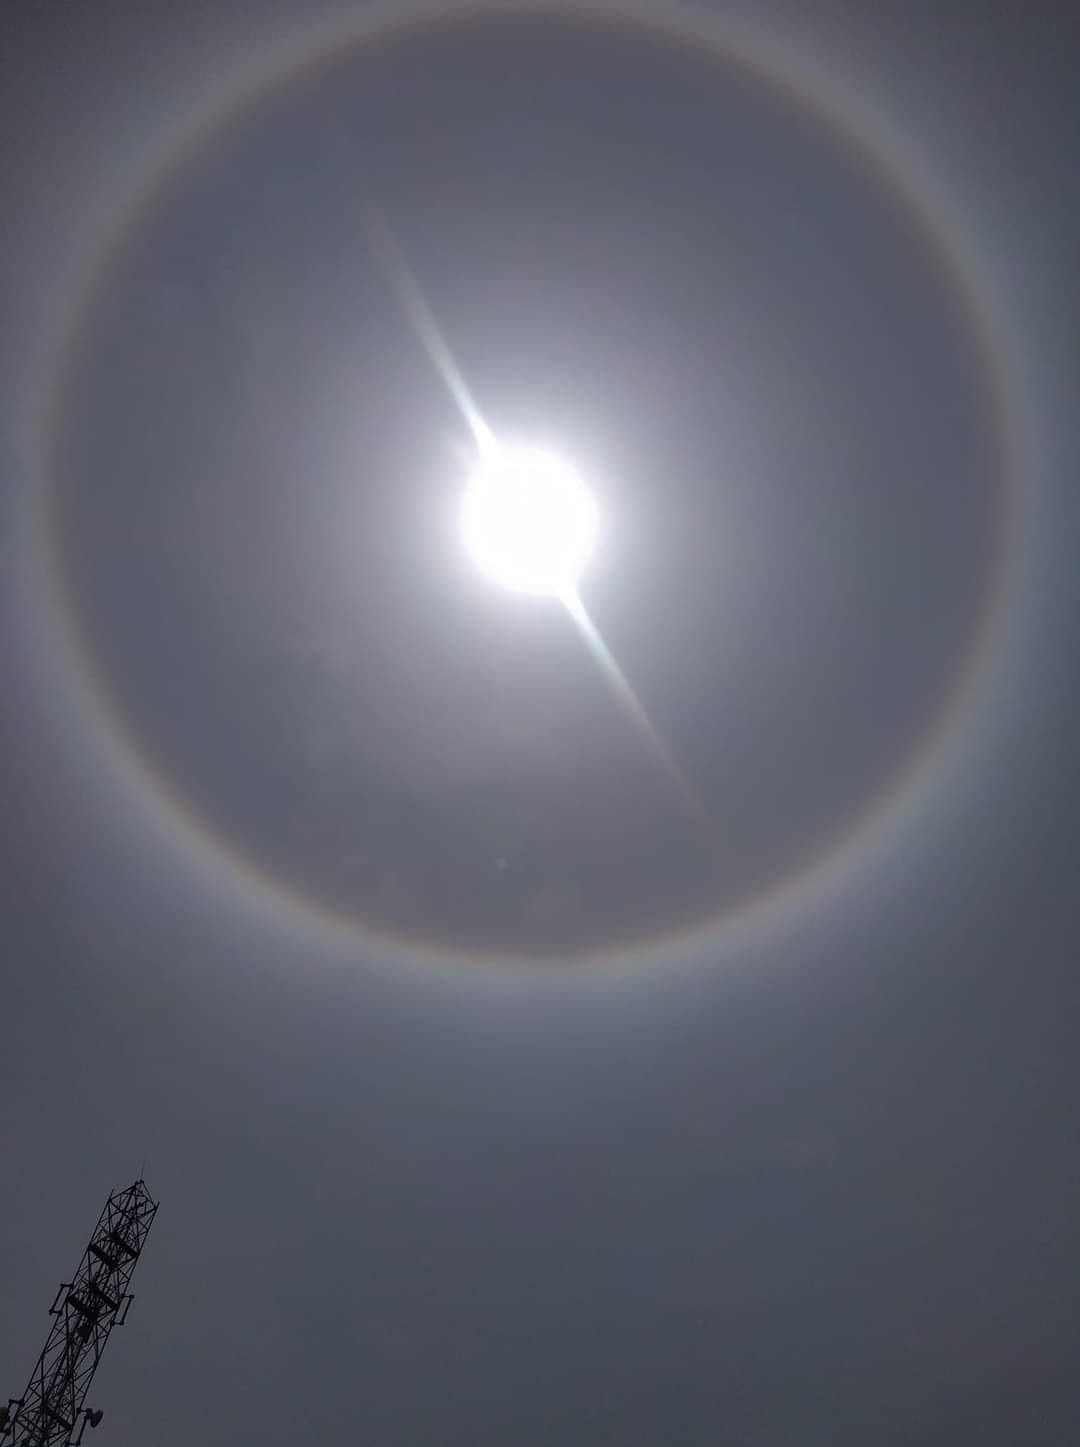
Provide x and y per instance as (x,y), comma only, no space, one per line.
(50,1413)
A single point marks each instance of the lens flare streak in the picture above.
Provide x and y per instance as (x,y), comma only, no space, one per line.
(428,332)
(430,335)
(629,701)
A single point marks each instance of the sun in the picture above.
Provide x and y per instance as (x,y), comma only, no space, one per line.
(528,520)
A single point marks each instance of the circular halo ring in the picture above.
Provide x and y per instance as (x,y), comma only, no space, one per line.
(301,58)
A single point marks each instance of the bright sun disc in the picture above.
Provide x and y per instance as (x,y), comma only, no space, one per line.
(528,519)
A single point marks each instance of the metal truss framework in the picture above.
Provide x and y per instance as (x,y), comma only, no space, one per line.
(50,1412)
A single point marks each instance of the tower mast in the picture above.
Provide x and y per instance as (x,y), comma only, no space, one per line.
(50,1413)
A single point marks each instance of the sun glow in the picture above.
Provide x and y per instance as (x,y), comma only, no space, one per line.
(528,520)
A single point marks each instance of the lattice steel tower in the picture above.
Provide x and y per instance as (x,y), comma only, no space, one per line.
(50,1413)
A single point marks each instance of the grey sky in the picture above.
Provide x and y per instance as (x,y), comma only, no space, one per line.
(811,1184)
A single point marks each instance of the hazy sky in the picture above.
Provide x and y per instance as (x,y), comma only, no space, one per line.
(492,1094)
